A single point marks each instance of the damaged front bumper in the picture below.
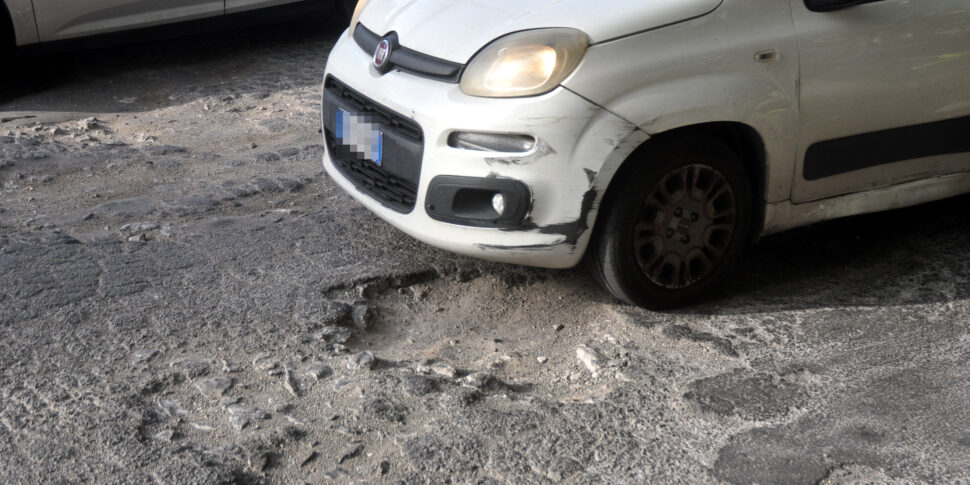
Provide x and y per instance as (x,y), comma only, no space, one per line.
(433,186)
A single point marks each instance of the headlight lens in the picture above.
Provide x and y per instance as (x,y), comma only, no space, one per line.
(525,63)
(355,18)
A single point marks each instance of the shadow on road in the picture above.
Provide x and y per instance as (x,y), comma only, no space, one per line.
(909,256)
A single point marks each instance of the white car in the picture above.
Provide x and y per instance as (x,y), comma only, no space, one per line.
(26,23)
(654,137)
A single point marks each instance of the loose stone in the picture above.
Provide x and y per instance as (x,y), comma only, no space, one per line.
(265,364)
(362,361)
(238,422)
(423,368)
(201,427)
(289,383)
(312,455)
(443,369)
(228,368)
(354,453)
(477,380)
(363,317)
(171,408)
(334,334)
(140,356)
(319,371)
(244,410)
(258,460)
(214,387)
(260,357)
(336,474)
(590,358)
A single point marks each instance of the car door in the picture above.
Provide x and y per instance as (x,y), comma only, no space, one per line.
(60,19)
(233,6)
(884,95)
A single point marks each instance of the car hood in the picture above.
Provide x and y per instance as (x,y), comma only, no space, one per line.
(456,29)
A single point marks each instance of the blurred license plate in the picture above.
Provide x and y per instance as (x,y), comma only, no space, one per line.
(361,133)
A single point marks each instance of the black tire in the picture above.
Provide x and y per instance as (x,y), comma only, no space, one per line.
(8,42)
(634,239)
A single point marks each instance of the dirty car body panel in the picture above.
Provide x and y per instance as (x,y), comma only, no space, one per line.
(892,108)
(57,20)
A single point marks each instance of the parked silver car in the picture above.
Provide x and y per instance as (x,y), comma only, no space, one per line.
(30,22)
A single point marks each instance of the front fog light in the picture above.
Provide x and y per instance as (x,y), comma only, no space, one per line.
(498,203)
(479,202)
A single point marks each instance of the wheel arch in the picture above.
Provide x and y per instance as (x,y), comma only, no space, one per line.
(746,141)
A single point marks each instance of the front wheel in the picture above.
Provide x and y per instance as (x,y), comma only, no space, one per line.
(675,224)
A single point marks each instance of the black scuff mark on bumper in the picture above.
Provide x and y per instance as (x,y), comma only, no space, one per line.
(574,229)
(492,161)
(570,231)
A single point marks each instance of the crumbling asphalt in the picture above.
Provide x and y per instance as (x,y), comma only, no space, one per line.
(185,297)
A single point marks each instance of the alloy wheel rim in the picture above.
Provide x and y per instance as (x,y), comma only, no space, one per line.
(685,226)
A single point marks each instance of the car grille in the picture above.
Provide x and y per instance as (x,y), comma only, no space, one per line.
(394,183)
(409,60)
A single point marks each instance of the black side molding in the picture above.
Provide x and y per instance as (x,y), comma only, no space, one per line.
(842,155)
(832,5)
(409,60)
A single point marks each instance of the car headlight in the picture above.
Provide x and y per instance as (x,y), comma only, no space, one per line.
(524,63)
(355,18)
